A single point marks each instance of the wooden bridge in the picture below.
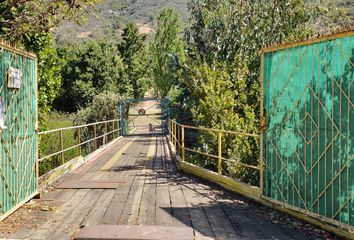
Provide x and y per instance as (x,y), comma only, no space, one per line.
(132,190)
(131,187)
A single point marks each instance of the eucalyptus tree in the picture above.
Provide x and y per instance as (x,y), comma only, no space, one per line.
(166,51)
(132,49)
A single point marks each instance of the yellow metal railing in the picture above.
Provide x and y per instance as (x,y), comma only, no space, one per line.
(70,142)
(178,139)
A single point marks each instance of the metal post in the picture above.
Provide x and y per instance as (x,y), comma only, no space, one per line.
(174,134)
(118,132)
(105,132)
(177,138)
(62,146)
(79,141)
(95,135)
(121,116)
(219,153)
(183,150)
(170,128)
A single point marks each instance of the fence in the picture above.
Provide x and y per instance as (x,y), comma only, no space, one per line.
(70,142)
(18,117)
(308,96)
(228,153)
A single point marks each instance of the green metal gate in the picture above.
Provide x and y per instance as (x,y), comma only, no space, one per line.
(18,140)
(138,114)
(308,146)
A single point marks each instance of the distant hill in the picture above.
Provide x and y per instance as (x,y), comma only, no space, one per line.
(114,14)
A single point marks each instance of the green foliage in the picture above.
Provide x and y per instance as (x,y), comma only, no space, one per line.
(29,24)
(134,56)
(166,51)
(219,81)
(22,19)
(215,101)
(49,67)
(103,107)
(50,143)
(91,68)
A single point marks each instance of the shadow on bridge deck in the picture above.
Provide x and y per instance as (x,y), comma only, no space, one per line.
(151,193)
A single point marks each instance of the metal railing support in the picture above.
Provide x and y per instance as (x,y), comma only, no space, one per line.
(219,153)
(174,134)
(182,142)
(79,142)
(62,146)
(105,134)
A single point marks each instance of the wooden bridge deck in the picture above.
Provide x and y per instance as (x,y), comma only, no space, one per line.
(150,192)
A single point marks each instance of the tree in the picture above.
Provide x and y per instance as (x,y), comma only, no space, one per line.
(133,52)
(166,51)
(30,24)
(220,78)
(21,19)
(49,67)
(91,68)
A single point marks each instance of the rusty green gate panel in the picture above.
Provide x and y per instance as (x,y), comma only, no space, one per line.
(18,117)
(308,145)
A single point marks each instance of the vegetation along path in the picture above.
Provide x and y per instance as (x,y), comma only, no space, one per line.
(148,192)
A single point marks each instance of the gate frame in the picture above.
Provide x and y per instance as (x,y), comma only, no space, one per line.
(123,123)
(345,230)
(6,45)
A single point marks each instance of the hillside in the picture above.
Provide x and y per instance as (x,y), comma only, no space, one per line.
(114,14)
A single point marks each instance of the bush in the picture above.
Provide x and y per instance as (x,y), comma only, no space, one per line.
(104,107)
(51,143)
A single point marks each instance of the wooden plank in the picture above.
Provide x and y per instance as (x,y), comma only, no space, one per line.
(44,231)
(71,223)
(117,205)
(130,214)
(147,213)
(99,209)
(199,219)
(135,232)
(90,184)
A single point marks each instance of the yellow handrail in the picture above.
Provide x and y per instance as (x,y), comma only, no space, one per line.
(177,135)
(115,128)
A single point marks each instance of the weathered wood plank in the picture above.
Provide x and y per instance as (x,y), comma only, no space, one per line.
(98,210)
(72,222)
(117,205)
(130,214)
(135,232)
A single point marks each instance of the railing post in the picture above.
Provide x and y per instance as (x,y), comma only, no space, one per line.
(79,141)
(105,133)
(182,142)
(219,153)
(174,134)
(112,134)
(118,127)
(62,146)
(177,137)
(94,136)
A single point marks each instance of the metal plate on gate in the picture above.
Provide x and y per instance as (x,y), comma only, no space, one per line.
(90,184)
